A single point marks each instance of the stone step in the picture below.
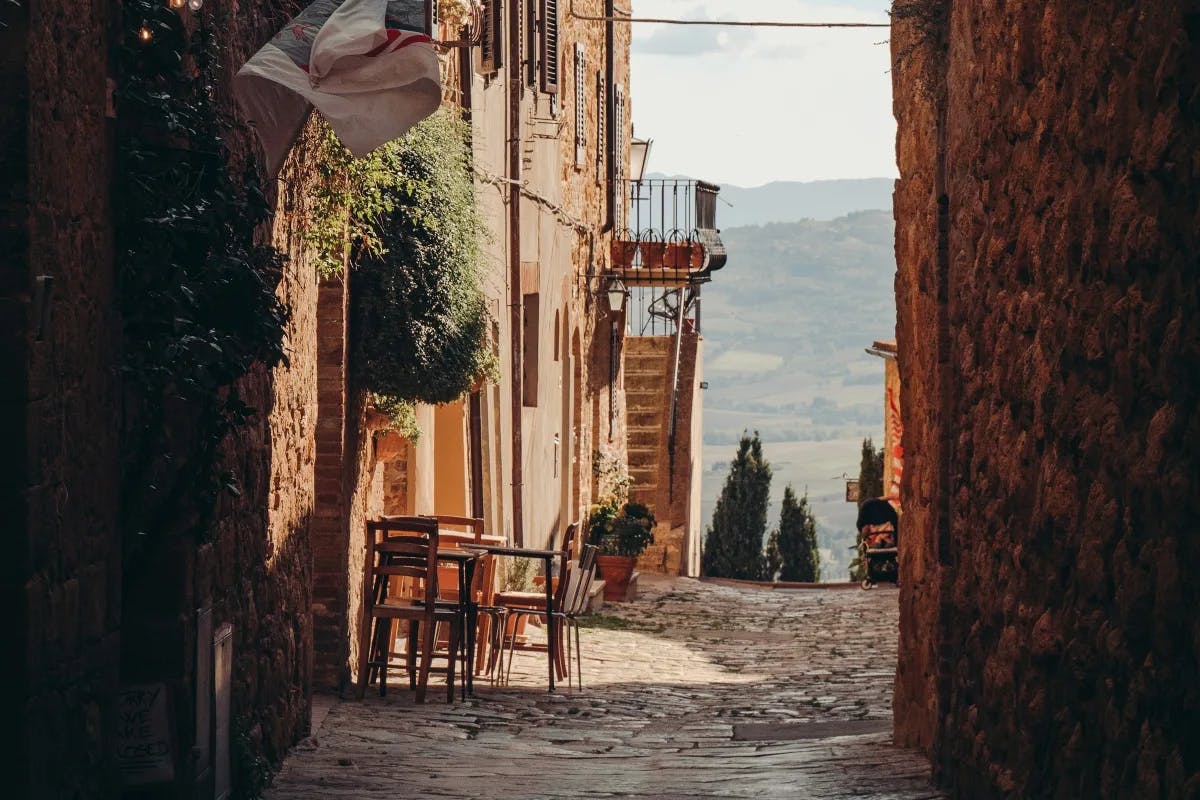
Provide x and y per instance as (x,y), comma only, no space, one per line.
(595,598)
(643,439)
(643,382)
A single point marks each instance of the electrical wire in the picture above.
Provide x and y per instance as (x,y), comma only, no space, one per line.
(726,23)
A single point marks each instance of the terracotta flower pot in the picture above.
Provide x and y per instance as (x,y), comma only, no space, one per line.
(652,254)
(682,255)
(623,252)
(616,572)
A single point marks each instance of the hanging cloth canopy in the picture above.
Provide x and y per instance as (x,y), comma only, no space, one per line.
(368,66)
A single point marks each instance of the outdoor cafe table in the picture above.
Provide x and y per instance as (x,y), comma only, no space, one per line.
(466,560)
(547,557)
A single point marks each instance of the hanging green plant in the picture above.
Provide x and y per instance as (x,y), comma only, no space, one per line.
(196,293)
(420,320)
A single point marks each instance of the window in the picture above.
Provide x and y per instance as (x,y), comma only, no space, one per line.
(529,371)
(580,120)
(616,157)
(490,38)
(550,46)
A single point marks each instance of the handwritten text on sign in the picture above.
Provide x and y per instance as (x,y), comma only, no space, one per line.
(145,749)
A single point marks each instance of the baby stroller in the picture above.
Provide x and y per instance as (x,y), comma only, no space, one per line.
(879,526)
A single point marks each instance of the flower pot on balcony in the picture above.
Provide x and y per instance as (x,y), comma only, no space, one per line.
(652,254)
(623,252)
(681,255)
(616,572)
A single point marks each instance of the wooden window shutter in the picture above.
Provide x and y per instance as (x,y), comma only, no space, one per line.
(580,115)
(530,42)
(550,46)
(490,38)
(531,340)
(617,154)
(600,123)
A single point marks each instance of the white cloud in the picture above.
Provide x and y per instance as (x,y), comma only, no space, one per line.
(748,106)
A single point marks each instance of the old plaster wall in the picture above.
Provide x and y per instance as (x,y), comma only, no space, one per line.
(1048,337)
(563,240)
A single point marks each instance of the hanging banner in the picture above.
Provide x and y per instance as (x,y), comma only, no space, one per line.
(895,450)
(368,66)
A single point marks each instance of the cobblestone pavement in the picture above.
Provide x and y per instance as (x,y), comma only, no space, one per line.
(696,690)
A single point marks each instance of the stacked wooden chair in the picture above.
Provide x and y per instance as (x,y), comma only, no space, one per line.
(404,547)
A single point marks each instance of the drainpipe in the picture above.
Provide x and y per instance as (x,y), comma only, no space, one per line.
(475,401)
(515,310)
(683,301)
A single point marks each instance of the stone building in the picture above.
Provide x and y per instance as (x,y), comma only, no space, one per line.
(261,609)
(1047,222)
(517,452)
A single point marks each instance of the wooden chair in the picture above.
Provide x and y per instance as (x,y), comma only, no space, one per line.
(570,601)
(491,616)
(536,601)
(403,547)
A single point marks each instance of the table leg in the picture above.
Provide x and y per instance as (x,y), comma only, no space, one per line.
(472,616)
(550,637)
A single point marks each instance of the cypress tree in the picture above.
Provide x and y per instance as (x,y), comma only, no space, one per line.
(733,546)
(870,471)
(801,561)
(773,559)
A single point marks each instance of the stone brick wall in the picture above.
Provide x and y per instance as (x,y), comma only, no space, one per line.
(57,401)
(1047,330)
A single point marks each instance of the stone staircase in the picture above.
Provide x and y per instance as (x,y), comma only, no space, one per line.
(647,406)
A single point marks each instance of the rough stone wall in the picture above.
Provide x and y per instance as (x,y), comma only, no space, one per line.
(58,394)
(1061,632)
(917,36)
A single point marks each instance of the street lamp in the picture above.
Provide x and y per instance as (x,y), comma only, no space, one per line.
(616,295)
(639,154)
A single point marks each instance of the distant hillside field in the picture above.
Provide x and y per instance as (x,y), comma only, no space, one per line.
(785,328)
(789,201)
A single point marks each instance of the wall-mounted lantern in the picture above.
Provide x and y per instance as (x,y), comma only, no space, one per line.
(639,154)
(617,293)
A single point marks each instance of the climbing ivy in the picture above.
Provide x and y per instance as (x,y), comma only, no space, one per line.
(195,291)
(408,214)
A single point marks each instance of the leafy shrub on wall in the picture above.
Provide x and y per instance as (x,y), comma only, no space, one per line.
(420,323)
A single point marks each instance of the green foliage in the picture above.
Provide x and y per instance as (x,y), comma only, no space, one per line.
(620,530)
(799,556)
(611,474)
(350,202)
(733,546)
(251,772)
(196,293)
(870,485)
(401,414)
(772,559)
(870,471)
(420,323)
(518,575)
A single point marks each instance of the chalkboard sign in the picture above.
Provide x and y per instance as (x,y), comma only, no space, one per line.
(144,744)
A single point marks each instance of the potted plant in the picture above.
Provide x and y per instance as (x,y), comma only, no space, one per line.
(621,533)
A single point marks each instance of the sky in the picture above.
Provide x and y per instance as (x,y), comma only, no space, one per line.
(747,106)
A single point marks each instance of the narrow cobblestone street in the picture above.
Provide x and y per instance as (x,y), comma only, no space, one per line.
(696,690)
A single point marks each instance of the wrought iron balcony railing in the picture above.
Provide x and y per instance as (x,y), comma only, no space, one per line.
(667,233)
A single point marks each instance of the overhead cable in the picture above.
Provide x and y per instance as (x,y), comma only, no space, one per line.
(727,23)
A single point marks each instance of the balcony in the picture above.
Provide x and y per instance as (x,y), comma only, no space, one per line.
(666,234)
